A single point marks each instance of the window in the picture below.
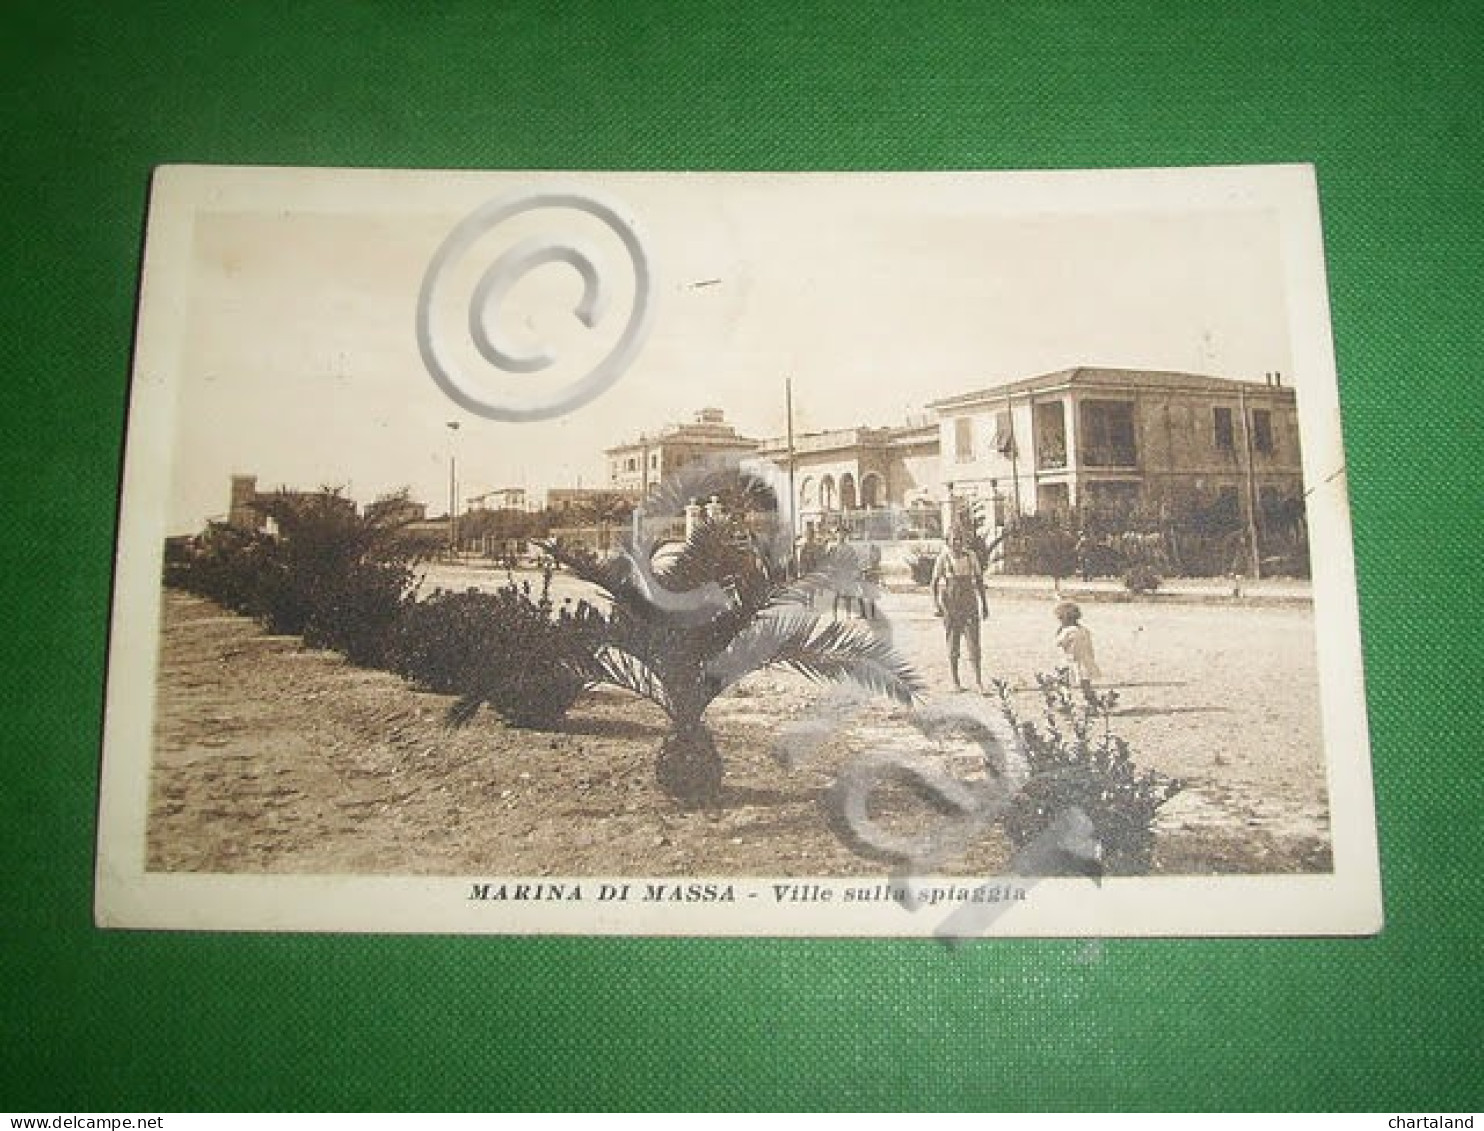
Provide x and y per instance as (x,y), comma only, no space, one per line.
(1004,435)
(963,439)
(1051,435)
(1226,439)
(1053,498)
(1262,430)
(631,464)
(1108,434)
(654,459)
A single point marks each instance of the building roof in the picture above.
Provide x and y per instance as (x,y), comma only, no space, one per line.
(920,428)
(906,435)
(566,493)
(1112,379)
(708,429)
(829,440)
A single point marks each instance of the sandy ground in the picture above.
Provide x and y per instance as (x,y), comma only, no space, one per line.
(275,758)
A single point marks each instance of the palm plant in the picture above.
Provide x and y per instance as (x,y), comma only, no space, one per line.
(334,575)
(689,622)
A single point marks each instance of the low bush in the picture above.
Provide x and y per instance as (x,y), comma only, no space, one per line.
(514,649)
(224,564)
(1141,579)
(1075,761)
(920,563)
(1044,544)
(333,576)
(354,612)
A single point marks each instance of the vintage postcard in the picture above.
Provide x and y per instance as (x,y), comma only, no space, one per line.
(956,555)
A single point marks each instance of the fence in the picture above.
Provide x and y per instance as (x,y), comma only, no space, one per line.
(1202,544)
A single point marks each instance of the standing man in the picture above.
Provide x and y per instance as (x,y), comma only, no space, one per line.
(958,594)
(844,567)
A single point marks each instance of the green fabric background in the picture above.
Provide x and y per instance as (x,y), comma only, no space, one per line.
(1386,98)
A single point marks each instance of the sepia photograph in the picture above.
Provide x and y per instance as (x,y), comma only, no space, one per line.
(898,554)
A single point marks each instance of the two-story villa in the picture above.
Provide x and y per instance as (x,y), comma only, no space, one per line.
(1126,436)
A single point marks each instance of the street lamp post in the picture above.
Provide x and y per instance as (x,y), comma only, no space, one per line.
(453,522)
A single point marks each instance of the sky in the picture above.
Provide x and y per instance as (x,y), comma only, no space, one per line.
(298,360)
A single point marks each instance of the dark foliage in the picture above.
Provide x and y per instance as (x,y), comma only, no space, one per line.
(1044,544)
(224,564)
(1141,579)
(920,563)
(1076,762)
(1116,539)
(513,649)
(329,574)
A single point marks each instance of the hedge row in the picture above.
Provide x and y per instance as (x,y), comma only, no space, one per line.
(346,582)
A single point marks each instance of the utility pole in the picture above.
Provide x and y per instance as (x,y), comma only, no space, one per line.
(1253,551)
(1015,454)
(793,496)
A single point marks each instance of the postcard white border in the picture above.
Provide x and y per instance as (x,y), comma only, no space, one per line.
(1346,902)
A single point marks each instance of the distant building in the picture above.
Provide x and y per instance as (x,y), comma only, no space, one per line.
(592,517)
(1121,436)
(589,504)
(840,473)
(500,499)
(397,508)
(412,521)
(640,465)
(246,508)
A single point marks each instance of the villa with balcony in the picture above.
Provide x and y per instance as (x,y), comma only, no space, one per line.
(1120,436)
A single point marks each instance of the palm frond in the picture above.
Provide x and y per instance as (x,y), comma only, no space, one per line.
(716,555)
(726,475)
(463,709)
(707,554)
(614,576)
(827,651)
(634,584)
(624,669)
(804,590)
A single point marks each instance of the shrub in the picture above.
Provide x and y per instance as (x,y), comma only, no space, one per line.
(331,575)
(334,576)
(1075,761)
(354,611)
(690,621)
(437,640)
(1141,579)
(513,649)
(1044,544)
(920,563)
(224,564)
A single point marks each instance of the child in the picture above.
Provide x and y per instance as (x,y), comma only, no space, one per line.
(1076,644)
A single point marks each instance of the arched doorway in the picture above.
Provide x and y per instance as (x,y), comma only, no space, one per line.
(808,494)
(871,490)
(827,493)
